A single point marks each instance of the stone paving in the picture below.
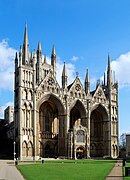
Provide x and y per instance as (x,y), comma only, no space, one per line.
(116,173)
(8,171)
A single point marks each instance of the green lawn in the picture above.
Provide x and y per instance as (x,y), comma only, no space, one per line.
(89,170)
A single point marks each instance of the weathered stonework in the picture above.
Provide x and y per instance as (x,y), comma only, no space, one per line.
(68,121)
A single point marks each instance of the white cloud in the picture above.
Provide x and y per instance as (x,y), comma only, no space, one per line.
(74,58)
(7,55)
(121,66)
(2,108)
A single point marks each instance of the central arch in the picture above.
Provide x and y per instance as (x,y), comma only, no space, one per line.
(99,132)
(77,114)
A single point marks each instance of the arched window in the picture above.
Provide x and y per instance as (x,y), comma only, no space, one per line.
(47,121)
(30,149)
(24,147)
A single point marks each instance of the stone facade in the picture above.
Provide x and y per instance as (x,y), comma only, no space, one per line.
(68,121)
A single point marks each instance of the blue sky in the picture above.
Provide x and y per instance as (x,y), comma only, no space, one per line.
(83,31)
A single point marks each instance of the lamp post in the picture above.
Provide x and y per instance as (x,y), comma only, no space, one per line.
(14,151)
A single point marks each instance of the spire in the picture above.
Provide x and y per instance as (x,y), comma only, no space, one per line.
(109,73)
(87,77)
(45,58)
(16,60)
(53,60)
(25,47)
(39,47)
(53,50)
(64,72)
(39,53)
(87,83)
(64,77)
(104,78)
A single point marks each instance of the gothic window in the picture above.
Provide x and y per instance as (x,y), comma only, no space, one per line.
(29,95)
(30,149)
(80,136)
(24,147)
(47,119)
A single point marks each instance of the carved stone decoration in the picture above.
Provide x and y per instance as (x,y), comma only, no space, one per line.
(80,136)
(50,81)
(99,93)
(78,87)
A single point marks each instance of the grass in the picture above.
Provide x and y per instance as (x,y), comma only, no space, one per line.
(81,170)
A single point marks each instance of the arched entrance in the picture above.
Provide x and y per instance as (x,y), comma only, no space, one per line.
(77,114)
(80,153)
(99,132)
(51,120)
(77,135)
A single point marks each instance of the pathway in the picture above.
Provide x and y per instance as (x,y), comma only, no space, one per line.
(8,171)
(116,173)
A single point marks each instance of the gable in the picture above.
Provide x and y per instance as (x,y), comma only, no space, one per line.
(76,87)
(99,93)
(49,83)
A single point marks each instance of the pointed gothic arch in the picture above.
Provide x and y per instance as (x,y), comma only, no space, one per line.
(51,123)
(99,131)
(30,149)
(77,114)
(24,149)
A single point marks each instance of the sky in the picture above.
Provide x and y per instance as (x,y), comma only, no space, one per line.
(83,32)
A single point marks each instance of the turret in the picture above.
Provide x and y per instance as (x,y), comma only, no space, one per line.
(25,59)
(16,61)
(45,59)
(104,79)
(64,77)
(39,63)
(87,83)
(109,73)
(39,53)
(53,60)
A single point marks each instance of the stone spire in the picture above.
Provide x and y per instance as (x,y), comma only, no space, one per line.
(45,61)
(16,60)
(53,60)
(39,63)
(39,53)
(64,77)
(109,73)
(104,78)
(87,83)
(25,47)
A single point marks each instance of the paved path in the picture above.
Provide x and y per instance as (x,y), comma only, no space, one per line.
(116,172)
(8,171)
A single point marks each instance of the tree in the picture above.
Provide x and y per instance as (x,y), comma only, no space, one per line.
(122,145)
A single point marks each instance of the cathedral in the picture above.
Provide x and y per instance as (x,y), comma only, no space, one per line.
(67,121)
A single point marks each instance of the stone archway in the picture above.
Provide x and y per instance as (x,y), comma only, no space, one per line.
(99,132)
(77,114)
(77,135)
(51,125)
